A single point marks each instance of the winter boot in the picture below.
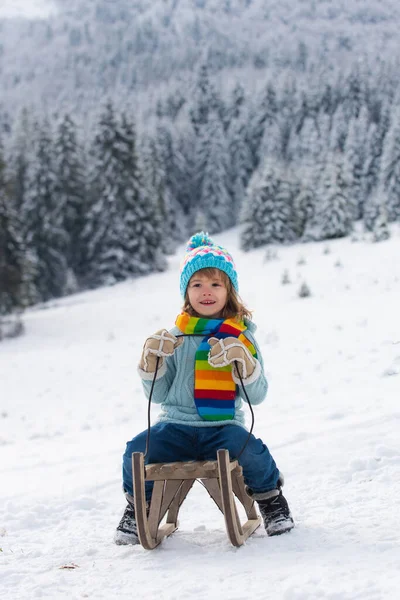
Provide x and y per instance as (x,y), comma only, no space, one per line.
(126,532)
(275,511)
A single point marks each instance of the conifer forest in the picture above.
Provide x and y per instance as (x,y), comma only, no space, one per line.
(127,126)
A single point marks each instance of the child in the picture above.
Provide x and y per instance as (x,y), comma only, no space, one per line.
(199,389)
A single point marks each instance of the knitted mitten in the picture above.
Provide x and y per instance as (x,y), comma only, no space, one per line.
(162,343)
(225,351)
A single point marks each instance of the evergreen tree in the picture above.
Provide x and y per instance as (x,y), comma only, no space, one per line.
(123,228)
(215,200)
(16,269)
(381,230)
(354,92)
(375,217)
(71,190)
(43,219)
(355,151)
(332,218)
(391,168)
(339,130)
(205,100)
(157,182)
(20,156)
(11,256)
(309,145)
(237,104)
(240,160)
(375,143)
(171,166)
(268,208)
(263,117)
(185,170)
(139,210)
(304,207)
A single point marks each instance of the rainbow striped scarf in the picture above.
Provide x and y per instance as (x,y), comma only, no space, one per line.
(214,388)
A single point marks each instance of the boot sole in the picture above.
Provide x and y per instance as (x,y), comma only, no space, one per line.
(281,530)
(125,539)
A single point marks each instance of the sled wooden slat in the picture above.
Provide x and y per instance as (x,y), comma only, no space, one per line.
(240,493)
(236,533)
(155,507)
(189,470)
(171,489)
(140,503)
(223,480)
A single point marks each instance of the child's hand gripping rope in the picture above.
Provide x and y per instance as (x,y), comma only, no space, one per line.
(162,343)
(228,350)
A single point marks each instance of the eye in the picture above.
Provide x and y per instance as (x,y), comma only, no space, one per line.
(216,285)
(195,285)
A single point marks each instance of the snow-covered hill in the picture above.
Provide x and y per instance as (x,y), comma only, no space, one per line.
(69,55)
(71,397)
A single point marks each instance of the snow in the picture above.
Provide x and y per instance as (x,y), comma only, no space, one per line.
(71,397)
(29,9)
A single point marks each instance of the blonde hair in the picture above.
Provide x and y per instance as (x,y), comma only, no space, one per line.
(234,307)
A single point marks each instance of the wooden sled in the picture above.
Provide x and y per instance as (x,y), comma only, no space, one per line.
(223,480)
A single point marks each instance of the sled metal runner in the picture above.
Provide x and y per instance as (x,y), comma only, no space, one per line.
(223,480)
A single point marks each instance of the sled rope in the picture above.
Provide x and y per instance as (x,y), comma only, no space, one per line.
(151,394)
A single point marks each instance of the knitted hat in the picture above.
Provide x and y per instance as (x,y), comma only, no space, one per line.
(202,253)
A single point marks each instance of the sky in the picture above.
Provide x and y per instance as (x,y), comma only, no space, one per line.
(70,398)
(26,8)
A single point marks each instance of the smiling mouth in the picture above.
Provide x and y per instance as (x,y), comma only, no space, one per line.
(207,302)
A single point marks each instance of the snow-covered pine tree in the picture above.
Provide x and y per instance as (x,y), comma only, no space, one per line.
(375,217)
(267,212)
(263,117)
(287,109)
(186,172)
(390,168)
(154,181)
(71,190)
(332,218)
(354,159)
(139,210)
(122,229)
(339,130)
(354,91)
(240,159)
(381,231)
(171,172)
(307,151)
(11,252)
(43,218)
(304,204)
(237,104)
(215,200)
(21,151)
(375,143)
(308,147)
(205,99)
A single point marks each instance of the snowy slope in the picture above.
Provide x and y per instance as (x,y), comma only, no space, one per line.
(71,397)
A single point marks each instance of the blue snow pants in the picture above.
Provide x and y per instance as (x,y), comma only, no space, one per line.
(170,442)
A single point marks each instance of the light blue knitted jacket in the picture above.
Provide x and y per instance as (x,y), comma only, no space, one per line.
(174,386)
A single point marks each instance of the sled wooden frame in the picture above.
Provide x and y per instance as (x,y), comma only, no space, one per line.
(223,480)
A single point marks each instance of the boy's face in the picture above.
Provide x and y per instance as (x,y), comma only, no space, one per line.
(207,295)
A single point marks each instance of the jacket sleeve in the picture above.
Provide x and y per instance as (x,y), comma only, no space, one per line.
(165,376)
(256,385)
(163,382)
